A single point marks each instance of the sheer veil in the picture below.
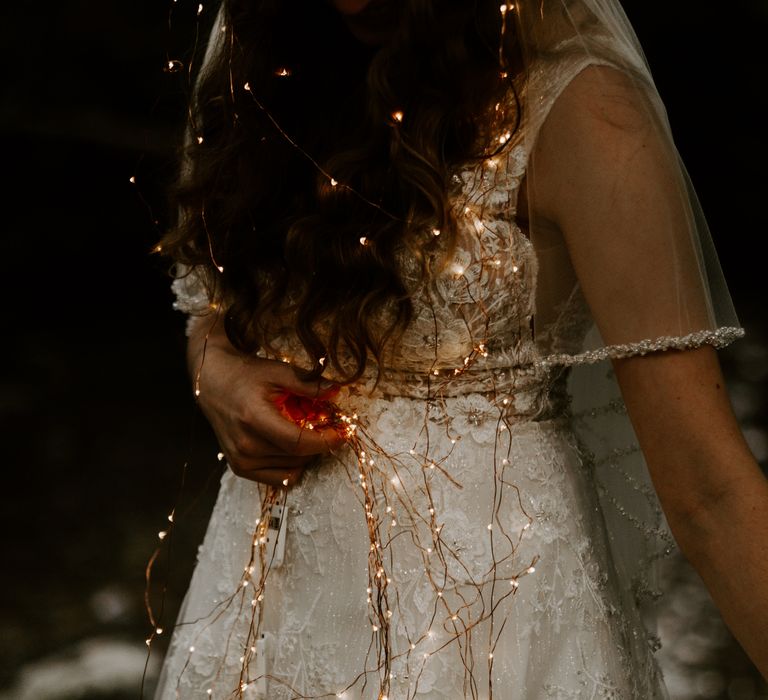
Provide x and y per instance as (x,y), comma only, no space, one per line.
(630,270)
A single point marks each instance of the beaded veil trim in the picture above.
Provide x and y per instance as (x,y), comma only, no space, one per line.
(718,338)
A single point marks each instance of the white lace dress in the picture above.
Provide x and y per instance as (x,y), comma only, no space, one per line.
(464,553)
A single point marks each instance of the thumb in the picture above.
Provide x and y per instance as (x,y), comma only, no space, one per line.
(315,389)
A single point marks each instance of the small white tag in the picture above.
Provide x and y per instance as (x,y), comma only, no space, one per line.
(276,535)
(257,689)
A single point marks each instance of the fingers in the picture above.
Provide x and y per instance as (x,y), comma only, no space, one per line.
(271,476)
(303,442)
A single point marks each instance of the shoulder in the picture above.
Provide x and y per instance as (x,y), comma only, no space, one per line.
(599,102)
(601,123)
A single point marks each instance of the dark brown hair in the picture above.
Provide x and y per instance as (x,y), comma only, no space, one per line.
(256,196)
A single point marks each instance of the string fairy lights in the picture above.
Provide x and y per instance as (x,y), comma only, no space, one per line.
(462,604)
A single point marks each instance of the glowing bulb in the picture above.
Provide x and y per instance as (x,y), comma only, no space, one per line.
(132,180)
(397,116)
(515,268)
(200,9)
(159,630)
(197,392)
(191,650)
(247,87)
(220,268)
(514,583)
(220,456)
(162,534)
(435,231)
(363,240)
(199,139)
(503,9)
(282,72)
(334,182)
(322,361)
(490,526)
(285,482)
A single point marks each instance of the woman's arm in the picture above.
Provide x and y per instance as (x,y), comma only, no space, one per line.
(607,177)
(713,493)
(237,395)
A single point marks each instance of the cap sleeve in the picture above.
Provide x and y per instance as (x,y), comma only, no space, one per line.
(626,261)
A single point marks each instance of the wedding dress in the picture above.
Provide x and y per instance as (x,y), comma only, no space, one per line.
(491,531)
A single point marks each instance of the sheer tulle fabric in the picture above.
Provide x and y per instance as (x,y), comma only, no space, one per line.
(519,529)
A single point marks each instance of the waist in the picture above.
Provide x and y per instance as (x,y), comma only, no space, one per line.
(474,397)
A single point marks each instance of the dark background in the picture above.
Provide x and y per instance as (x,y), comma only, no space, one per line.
(96,418)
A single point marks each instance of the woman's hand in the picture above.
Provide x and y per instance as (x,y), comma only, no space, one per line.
(238,395)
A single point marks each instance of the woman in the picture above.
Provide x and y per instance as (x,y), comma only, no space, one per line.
(411,237)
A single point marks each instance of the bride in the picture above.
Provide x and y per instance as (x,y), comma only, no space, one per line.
(453,311)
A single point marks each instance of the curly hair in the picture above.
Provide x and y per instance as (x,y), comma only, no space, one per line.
(307,141)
